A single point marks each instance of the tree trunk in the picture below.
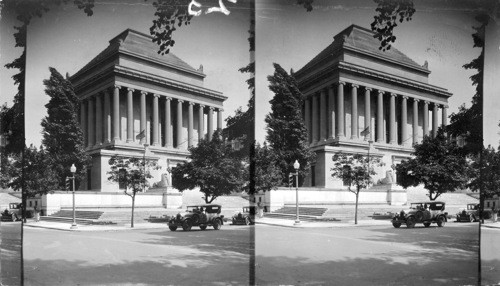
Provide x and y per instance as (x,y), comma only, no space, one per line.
(356,209)
(133,205)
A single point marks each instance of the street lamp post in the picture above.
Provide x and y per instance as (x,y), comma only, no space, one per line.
(73,171)
(296,166)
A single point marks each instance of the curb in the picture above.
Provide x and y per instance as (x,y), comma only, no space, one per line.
(123,228)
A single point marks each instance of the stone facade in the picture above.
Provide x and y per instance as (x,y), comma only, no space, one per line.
(134,102)
(362,100)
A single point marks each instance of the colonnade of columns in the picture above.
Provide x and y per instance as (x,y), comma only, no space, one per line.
(325,115)
(100,119)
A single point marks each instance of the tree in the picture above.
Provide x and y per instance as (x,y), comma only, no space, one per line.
(40,179)
(133,173)
(355,170)
(485,174)
(286,131)
(62,135)
(438,163)
(211,167)
(267,175)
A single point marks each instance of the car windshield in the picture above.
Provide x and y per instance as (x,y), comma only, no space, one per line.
(417,206)
(192,208)
(436,207)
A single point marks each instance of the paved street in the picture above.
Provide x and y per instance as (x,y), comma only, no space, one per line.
(368,255)
(490,256)
(146,257)
(10,252)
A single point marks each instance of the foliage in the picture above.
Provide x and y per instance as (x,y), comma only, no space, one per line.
(485,173)
(439,164)
(468,122)
(267,175)
(62,135)
(286,131)
(211,167)
(355,170)
(389,13)
(240,127)
(133,172)
(39,179)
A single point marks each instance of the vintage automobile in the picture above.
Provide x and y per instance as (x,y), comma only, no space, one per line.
(247,216)
(471,214)
(13,213)
(422,212)
(198,215)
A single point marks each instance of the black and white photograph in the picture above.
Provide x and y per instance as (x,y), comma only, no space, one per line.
(249,142)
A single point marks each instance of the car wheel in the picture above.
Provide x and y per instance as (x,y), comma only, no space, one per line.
(427,224)
(186,225)
(196,219)
(247,221)
(419,216)
(410,222)
(203,227)
(441,221)
(172,227)
(396,224)
(217,224)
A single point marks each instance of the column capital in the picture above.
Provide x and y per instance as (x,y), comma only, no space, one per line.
(393,94)
(130,89)
(156,95)
(368,88)
(191,103)
(416,99)
(117,86)
(180,100)
(220,109)
(168,98)
(201,105)
(341,82)
(444,106)
(211,108)
(144,92)
(354,85)
(426,102)
(381,92)
(405,97)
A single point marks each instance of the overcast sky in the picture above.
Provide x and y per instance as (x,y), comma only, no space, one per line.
(438,33)
(66,39)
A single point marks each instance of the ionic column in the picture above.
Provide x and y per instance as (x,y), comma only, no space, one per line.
(91,123)
(426,118)
(380,116)
(415,121)
(130,115)
(98,119)
(156,121)
(354,111)
(434,120)
(144,138)
(307,119)
(404,110)
(322,116)
(315,118)
(168,123)
(368,114)
(444,118)
(219,118)
(107,117)
(331,113)
(210,125)
(201,123)
(83,119)
(116,113)
(392,119)
(179,123)
(340,110)
(190,123)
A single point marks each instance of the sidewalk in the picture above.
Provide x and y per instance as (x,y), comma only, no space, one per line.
(114,227)
(491,224)
(323,224)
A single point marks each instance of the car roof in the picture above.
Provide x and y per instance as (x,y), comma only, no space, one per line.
(434,202)
(206,205)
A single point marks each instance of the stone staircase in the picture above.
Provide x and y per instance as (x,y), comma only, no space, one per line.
(81,217)
(305,213)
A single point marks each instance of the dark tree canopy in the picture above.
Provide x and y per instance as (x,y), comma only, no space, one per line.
(485,173)
(286,130)
(267,175)
(439,164)
(62,135)
(212,168)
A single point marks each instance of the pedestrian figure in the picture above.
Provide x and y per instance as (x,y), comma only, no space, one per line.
(37,214)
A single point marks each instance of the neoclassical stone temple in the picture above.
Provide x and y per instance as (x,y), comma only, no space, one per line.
(360,99)
(135,102)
